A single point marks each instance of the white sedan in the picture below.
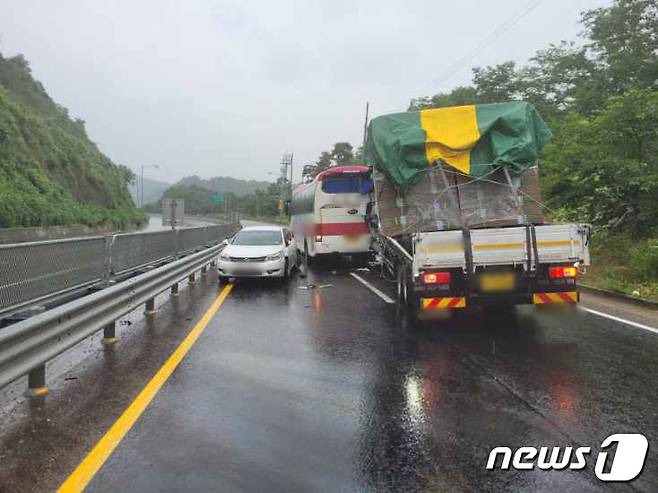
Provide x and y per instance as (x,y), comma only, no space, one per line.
(258,251)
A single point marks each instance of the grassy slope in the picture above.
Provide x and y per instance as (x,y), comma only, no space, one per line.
(624,265)
(50,172)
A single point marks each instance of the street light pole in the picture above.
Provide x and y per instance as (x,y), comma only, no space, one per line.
(141,183)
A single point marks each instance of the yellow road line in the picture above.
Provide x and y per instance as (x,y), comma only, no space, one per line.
(83,474)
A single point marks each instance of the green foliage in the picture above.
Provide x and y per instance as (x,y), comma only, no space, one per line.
(624,43)
(224,184)
(601,100)
(342,154)
(458,96)
(606,167)
(624,264)
(50,172)
(198,200)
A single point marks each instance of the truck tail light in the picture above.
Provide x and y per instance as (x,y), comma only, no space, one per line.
(318,238)
(436,277)
(562,272)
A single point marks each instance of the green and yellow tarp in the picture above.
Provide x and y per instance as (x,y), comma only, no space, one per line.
(473,139)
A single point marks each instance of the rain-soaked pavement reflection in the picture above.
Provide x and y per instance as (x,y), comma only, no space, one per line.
(320,385)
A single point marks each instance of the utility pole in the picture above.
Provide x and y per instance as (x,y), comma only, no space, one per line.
(365,127)
(286,160)
(141,182)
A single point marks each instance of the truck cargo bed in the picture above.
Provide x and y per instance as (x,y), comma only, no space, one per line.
(503,246)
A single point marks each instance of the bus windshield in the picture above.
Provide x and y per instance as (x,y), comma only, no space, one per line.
(345,183)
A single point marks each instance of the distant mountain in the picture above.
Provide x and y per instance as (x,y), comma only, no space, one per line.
(225,184)
(153,190)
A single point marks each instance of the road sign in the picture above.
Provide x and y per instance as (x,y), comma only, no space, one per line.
(217,199)
(173,212)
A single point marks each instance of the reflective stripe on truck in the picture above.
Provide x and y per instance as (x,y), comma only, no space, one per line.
(564,297)
(447,302)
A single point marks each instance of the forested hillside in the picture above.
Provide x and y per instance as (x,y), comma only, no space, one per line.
(50,172)
(599,95)
(225,184)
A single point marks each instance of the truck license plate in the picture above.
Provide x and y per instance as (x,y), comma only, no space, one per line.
(352,238)
(496,282)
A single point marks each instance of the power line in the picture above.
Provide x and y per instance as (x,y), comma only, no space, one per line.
(495,35)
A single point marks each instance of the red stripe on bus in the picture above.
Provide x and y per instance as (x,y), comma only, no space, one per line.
(336,229)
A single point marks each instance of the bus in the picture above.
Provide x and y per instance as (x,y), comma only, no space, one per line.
(328,214)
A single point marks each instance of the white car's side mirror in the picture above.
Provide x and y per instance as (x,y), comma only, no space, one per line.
(225,242)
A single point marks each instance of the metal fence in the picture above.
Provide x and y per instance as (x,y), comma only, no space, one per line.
(31,271)
(191,239)
(134,249)
(26,346)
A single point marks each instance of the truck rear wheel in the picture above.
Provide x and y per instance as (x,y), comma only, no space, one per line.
(408,300)
(402,288)
(412,302)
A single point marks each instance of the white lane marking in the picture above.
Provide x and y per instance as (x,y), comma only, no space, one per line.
(622,320)
(372,288)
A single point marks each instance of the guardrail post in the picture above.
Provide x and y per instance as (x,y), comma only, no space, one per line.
(36,382)
(204,269)
(174,290)
(107,261)
(110,334)
(192,278)
(149,308)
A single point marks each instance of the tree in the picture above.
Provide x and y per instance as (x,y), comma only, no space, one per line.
(342,154)
(601,100)
(323,163)
(562,78)
(459,96)
(359,157)
(605,169)
(496,84)
(309,172)
(128,175)
(624,42)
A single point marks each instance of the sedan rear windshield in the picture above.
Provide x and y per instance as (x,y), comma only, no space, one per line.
(258,238)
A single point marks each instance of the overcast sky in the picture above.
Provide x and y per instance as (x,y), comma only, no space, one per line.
(225,88)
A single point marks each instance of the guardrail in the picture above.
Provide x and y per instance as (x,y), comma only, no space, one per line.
(31,272)
(26,346)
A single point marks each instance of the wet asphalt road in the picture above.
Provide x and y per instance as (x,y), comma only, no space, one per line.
(329,389)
